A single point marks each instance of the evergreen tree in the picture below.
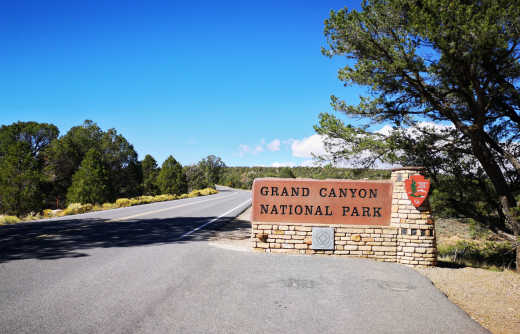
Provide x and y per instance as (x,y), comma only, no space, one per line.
(286,172)
(150,173)
(171,179)
(452,63)
(22,147)
(213,168)
(196,177)
(91,183)
(66,154)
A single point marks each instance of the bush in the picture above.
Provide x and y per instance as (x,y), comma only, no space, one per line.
(208,191)
(108,206)
(47,213)
(489,253)
(77,208)
(123,202)
(194,193)
(6,220)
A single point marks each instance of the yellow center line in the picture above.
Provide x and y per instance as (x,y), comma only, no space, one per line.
(166,209)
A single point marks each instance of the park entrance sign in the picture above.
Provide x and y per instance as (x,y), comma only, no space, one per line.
(374,219)
(322,201)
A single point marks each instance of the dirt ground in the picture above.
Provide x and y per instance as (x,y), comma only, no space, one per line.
(491,298)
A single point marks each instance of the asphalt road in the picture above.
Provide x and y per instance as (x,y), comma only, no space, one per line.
(150,269)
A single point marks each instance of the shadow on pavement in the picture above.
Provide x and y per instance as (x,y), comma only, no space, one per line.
(66,238)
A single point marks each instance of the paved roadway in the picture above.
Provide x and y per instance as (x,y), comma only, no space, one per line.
(150,269)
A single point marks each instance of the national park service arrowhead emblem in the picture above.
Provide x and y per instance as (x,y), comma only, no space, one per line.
(417,188)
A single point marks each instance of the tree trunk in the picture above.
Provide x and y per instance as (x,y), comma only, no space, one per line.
(506,198)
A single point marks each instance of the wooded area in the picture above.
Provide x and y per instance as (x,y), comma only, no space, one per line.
(40,169)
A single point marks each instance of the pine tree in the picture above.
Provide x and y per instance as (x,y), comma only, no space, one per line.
(172,179)
(91,183)
(150,173)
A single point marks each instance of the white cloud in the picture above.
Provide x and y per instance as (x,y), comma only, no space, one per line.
(274,145)
(305,147)
(431,126)
(283,164)
(258,149)
(243,149)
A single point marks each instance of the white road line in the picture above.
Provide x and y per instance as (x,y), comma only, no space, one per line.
(166,209)
(211,221)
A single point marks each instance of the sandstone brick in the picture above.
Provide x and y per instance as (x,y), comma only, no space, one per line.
(301,246)
(265,227)
(356,237)
(390,231)
(278,232)
(303,228)
(384,248)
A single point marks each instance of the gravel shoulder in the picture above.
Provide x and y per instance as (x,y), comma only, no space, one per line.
(491,298)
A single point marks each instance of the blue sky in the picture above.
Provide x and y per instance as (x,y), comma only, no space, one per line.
(242,80)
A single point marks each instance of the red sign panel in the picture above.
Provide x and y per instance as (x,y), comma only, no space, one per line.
(417,188)
(349,202)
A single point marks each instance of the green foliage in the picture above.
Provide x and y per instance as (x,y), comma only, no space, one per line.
(22,183)
(212,166)
(150,173)
(171,179)
(479,254)
(452,63)
(196,177)
(243,177)
(66,154)
(286,172)
(91,183)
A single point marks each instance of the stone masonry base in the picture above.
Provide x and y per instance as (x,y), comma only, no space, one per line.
(410,238)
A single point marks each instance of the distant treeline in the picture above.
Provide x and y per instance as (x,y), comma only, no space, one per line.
(40,169)
(243,177)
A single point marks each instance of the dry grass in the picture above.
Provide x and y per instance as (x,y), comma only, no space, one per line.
(77,208)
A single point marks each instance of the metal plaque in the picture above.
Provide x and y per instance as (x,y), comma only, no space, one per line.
(323,238)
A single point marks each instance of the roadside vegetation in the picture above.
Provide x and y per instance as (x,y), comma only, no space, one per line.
(87,169)
(77,208)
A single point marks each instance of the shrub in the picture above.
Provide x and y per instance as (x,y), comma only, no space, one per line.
(108,206)
(6,220)
(146,199)
(194,193)
(208,191)
(47,213)
(183,196)
(123,202)
(77,208)
(479,254)
(135,201)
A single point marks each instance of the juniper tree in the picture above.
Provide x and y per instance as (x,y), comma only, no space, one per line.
(22,183)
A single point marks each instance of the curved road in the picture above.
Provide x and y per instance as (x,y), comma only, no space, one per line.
(150,269)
